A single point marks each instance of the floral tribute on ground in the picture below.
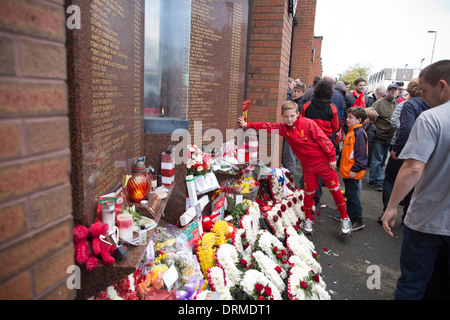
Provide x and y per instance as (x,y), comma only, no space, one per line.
(257,252)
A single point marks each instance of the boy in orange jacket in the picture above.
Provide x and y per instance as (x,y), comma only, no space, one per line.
(354,163)
(316,154)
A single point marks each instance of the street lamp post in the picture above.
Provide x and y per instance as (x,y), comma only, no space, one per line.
(435,35)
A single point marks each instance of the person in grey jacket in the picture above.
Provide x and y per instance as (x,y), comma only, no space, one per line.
(410,111)
(385,108)
(395,119)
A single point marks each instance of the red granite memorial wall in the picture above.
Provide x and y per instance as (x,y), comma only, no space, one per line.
(73,115)
(105,63)
(216,86)
(106,92)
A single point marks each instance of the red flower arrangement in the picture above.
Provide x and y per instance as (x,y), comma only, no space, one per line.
(262,292)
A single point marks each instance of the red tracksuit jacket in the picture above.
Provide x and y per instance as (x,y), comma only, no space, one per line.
(307,140)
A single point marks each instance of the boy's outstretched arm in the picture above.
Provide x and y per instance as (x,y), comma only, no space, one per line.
(276,128)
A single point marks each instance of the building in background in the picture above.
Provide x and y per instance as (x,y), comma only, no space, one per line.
(387,76)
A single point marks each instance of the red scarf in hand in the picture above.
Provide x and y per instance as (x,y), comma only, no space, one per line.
(360,101)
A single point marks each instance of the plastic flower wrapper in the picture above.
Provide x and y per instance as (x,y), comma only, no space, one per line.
(173,248)
(225,160)
(197,162)
(246,186)
(190,289)
(164,236)
(156,275)
(193,285)
(238,211)
(184,264)
(229,152)
(148,258)
(161,247)
(153,280)
(248,171)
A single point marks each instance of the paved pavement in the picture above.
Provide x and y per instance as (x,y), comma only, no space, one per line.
(364,265)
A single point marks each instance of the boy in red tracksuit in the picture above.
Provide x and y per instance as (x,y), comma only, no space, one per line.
(316,154)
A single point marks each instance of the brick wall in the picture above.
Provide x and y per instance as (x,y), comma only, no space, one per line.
(35,192)
(303,41)
(269,56)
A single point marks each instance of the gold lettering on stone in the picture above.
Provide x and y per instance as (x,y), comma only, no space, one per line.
(116,88)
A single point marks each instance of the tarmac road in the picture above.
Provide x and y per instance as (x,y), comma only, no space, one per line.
(364,265)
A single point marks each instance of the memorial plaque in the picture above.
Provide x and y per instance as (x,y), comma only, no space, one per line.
(217,63)
(195,68)
(105,61)
(216,67)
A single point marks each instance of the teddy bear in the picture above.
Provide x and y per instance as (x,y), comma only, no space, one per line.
(100,247)
(82,248)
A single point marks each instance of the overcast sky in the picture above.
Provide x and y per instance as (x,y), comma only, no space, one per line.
(382,33)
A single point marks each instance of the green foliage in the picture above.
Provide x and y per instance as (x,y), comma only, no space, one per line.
(357,71)
(239,211)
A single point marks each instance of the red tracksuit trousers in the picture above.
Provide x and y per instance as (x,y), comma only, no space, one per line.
(331,180)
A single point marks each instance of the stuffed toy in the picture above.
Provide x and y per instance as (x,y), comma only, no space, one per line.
(82,248)
(208,222)
(100,247)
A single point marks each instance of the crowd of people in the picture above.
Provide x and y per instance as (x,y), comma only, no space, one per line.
(371,137)
(380,123)
(332,130)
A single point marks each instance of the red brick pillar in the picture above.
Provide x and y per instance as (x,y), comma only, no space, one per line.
(303,42)
(269,56)
(35,192)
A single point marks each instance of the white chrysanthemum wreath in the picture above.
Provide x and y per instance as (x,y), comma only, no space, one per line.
(259,287)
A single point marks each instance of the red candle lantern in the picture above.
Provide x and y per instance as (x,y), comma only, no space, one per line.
(138,185)
(138,188)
